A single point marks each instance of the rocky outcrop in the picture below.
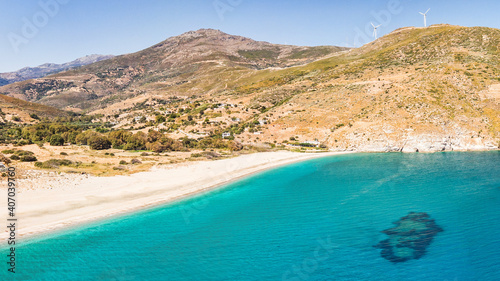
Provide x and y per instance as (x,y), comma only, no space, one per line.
(424,142)
(409,239)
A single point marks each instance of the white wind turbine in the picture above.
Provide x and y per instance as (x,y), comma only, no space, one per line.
(375,30)
(425,17)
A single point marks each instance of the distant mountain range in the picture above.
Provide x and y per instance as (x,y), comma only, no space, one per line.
(27,73)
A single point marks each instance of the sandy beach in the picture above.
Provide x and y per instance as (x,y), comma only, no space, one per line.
(43,210)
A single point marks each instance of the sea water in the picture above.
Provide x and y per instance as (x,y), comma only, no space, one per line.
(314,220)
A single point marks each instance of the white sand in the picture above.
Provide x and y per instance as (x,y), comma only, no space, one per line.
(43,210)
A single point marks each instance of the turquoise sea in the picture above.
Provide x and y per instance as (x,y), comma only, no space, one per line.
(314,220)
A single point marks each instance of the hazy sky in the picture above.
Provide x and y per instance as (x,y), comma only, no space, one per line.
(39,31)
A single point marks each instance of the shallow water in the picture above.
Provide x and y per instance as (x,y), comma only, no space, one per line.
(315,220)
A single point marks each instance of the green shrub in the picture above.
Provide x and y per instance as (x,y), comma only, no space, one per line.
(64,154)
(23,152)
(15,157)
(53,163)
(28,158)
(123,162)
(8,151)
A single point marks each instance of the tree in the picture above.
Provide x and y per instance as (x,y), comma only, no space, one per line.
(99,143)
(56,140)
(160,119)
(119,138)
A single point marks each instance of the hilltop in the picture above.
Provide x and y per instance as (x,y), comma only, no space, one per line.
(193,63)
(415,89)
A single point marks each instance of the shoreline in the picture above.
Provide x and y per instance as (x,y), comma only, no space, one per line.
(45,211)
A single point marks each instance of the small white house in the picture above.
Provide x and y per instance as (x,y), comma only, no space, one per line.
(226,135)
(3,168)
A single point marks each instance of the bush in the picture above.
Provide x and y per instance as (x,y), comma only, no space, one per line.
(99,143)
(144,154)
(8,151)
(28,158)
(64,154)
(34,116)
(123,162)
(15,157)
(119,168)
(16,119)
(135,161)
(56,140)
(53,163)
(23,153)
(22,142)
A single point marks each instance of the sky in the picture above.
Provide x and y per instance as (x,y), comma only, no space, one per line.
(33,32)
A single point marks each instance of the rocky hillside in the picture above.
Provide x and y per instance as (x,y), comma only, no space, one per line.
(193,63)
(19,111)
(48,68)
(415,89)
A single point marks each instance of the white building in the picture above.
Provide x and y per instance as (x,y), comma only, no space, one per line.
(226,135)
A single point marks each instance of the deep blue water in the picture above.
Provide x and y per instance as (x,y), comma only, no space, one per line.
(315,220)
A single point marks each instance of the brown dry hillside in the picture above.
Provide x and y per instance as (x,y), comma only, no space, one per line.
(193,63)
(11,107)
(425,89)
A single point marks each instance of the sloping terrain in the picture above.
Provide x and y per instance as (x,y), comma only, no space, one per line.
(193,63)
(11,107)
(425,89)
(416,89)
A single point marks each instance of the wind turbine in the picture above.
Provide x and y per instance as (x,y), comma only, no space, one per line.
(425,17)
(375,30)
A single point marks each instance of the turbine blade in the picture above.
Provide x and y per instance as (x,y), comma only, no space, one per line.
(372,24)
(428,10)
(421,13)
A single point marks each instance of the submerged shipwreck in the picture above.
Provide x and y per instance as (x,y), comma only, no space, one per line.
(410,238)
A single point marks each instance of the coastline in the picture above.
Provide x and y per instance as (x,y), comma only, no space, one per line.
(42,211)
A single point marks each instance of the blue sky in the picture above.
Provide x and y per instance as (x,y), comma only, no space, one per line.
(62,30)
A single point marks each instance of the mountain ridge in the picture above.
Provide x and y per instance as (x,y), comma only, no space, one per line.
(42,70)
